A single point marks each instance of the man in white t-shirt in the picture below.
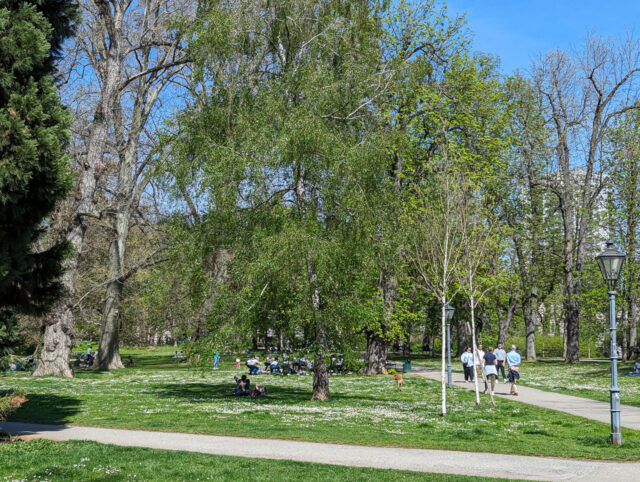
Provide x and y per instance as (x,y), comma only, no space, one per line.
(479,360)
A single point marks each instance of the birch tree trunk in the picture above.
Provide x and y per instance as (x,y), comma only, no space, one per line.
(475,348)
(443,367)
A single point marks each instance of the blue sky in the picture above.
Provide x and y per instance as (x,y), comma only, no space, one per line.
(518,30)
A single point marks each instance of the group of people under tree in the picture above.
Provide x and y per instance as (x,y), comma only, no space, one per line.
(487,365)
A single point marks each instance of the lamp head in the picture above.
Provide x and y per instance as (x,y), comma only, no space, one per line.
(610,262)
(449,310)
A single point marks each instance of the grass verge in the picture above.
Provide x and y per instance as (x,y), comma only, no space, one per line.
(48,460)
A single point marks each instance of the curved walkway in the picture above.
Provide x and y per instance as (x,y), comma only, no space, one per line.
(418,460)
(582,407)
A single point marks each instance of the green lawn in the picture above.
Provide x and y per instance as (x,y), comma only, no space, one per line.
(47,460)
(584,379)
(161,394)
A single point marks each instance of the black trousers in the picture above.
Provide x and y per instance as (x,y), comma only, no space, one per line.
(500,368)
(468,374)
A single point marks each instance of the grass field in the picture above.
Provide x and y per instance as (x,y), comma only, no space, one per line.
(584,379)
(47,460)
(162,394)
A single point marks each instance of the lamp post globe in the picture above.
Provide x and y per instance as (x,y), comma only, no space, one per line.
(610,262)
(449,310)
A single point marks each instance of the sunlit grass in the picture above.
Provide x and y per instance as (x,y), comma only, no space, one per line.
(160,393)
(47,460)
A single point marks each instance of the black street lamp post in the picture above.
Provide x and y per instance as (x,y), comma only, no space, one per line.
(610,262)
(449,313)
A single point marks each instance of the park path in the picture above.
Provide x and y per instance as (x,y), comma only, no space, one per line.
(418,460)
(582,407)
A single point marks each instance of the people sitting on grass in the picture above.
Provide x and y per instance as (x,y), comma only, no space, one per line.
(129,362)
(242,385)
(274,366)
(636,368)
(253,364)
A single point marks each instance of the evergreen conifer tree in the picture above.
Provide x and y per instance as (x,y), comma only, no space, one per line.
(34,130)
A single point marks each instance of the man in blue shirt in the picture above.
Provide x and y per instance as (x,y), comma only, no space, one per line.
(514,360)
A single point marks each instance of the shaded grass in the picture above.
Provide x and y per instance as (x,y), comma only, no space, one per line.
(44,459)
(163,394)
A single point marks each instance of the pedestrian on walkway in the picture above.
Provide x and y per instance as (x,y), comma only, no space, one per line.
(467,363)
(216,359)
(514,360)
(479,359)
(490,362)
(501,356)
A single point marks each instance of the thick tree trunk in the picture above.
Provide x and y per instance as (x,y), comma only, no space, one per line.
(463,335)
(320,371)
(530,328)
(572,328)
(406,347)
(505,320)
(377,344)
(59,334)
(377,348)
(59,338)
(109,349)
(320,379)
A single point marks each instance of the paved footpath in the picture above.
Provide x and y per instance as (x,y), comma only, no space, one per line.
(419,460)
(582,407)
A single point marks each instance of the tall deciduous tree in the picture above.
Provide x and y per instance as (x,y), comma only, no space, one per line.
(624,199)
(281,135)
(125,54)
(581,95)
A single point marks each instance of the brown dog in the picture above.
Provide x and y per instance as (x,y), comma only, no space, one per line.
(398,379)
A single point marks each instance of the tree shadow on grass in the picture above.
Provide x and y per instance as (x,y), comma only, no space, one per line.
(224,391)
(49,409)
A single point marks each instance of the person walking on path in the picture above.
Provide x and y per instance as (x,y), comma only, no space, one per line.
(216,359)
(490,362)
(501,356)
(479,359)
(467,363)
(514,360)
(237,363)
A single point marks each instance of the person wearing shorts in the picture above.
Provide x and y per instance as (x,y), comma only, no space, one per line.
(491,373)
